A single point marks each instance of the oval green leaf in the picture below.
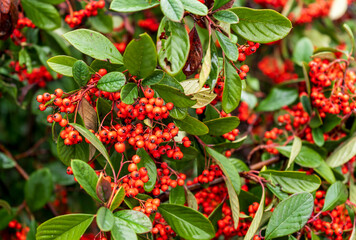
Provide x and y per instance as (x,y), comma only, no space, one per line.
(62,65)
(112,82)
(105,219)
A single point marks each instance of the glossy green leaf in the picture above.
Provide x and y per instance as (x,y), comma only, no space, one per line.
(105,219)
(140,56)
(303,51)
(86,177)
(226,16)
(261,26)
(216,215)
(102,22)
(122,231)
(76,151)
(132,5)
(80,72)
(6,162)
(229,48)
(290,215)
(137,221)
(292,181)
(227,167)
(172,50)
(191,200)
(232,89)
(214,71)
(70,226)
(177,195)
(219,3)
(335,195)
(206,66)
(307,157)
(172,9)
(149,164)
(234,201)
(195,7)
(306,104)
(178,113)
(221,126)
(343,153)
(170,94)
(186,222)
(43,15)
(325,172)
(38,189)
(296,147)
(94,44)
(318,136)
(192,125)
(62,65)
(25,59)
(118,198)
(330,122)
(112,82)
(129,93)
(278,98)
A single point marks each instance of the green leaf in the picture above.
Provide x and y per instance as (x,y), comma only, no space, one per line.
(206,66)
(170,94)
(234,202)
(137,221)
(261,26)
(316,120)
(62,65)
(43,15)
(303,51)
(226,16)
(318,136)
(219,3)
(102,22)
(122,231)
(351,36)
(335,195)
(70,226)
(6,162)
(140,56)
(229,48)
(178,113)
(81,73)
(86,177)
(293,182)
(239,165)
(93,140)
(24,58)
(195,7)
(227,167)
(216,215)
(203,96)
(255,224)
(112,82)
(232,89)
(172,50)
(38,189)
(221,126)
(192,126)
(118,198)
(276,190)
(172,9)
(177,195)
(129,93)
(132,5)
(96,65)
(186,222)
(290,215)
(343,153)
(94,44)
(105,219)
(191,200)
(307,157)
(278,98)
(76,151)
(296,147)
(149,164)
(306,104)
(6,217)
(330,122)
(325,171)
(214,71)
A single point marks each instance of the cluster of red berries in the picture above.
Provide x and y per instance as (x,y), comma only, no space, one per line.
(277,71)
(17,36)
(149,206)
(207,175)
(273,3)
(16,231)
(334,224)
(161,230)
(299,117)
(164,181)
(150,24)
(271,135)
(309,12)
(245,113)
(247,49)
(134,181)
(39,76)
(91,9)
(323,74)
(23,22)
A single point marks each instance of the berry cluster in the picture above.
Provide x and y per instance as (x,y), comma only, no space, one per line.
(149,206)
(165,181)
(247,49)
(324,74)
(334,224)
(91,9)
(23,22)
(317,9)
(207,175)
(277,71)
(16,231)
(39,76)
(161,230)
